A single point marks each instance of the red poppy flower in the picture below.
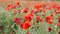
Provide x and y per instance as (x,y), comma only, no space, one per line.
(13,7)
(43,5)
(49,29)
(17,3)
(49,20)
(9,7)
(58,24)
(15,12)
(48,8)
(54,5)
(25,10)
(28,17)
(25,25)
(52,16)
(32,11)
(37,6)
(21,25)
(59,19)
(58,7)
(17,20)
(31,15)
(39,19)
(56,11)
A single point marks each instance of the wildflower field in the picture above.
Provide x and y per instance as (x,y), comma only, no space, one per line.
(29,17)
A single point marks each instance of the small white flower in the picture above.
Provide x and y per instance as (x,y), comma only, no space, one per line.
(55,26)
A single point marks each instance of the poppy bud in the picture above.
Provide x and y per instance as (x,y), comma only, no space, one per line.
(49,29)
